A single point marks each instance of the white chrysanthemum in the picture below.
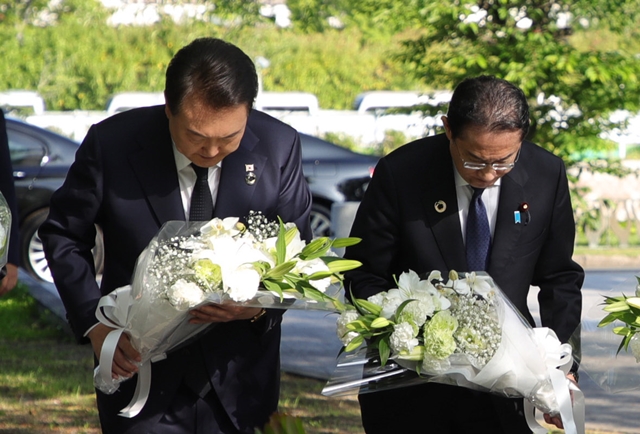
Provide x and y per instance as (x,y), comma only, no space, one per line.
(184,295)
(419,310)
(634,345)
(345,318)
(403,338)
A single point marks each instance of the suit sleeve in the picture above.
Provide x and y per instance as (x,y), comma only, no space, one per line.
(558,276)
(68,235)
(295,196)
(9,192)
(376,223)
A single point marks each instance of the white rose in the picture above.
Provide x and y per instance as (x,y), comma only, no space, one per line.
(184,295)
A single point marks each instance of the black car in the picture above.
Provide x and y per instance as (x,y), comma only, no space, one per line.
(41,159)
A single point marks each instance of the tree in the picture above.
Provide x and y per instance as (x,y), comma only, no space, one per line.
(572,93)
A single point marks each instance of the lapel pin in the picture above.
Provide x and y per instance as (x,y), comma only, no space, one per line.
(524,209)
(250,177)
(440,206)
(516,217)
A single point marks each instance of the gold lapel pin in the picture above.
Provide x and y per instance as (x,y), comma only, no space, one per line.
(440,206)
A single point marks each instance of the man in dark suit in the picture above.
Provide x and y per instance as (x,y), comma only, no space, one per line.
(133,173)
(414,216)
(9,273)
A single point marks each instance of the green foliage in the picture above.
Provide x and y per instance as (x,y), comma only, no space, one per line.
(572,93)
(22,319)
(280,423)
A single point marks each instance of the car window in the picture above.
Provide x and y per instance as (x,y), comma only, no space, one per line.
(25,150)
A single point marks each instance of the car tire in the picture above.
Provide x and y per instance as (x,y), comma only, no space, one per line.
(320,220)
(32,252)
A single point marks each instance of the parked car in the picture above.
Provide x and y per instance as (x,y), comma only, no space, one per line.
(326,167)
(41,159)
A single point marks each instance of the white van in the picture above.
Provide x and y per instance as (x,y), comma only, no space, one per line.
(290,102)
(374,102)
(18,99)
(127,100)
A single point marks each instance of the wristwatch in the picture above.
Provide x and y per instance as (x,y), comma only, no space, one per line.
(259,315)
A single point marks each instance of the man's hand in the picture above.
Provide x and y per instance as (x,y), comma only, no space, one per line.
(10,280)
(125,356)
(555,420)
(210,313)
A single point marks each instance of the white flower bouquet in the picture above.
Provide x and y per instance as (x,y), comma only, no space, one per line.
(5,230)
(188,264)
(609,326)
(462,332)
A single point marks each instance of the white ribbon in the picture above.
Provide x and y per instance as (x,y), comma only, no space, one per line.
(113,311)
(569,397)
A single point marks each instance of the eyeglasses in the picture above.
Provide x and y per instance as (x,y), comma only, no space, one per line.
(498,167)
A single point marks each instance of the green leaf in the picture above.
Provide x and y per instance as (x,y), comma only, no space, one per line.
(273,286)
(279,271)
(384,351)
(316,248)
(281,244)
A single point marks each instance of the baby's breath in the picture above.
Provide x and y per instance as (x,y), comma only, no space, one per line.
(261,227)
(478,334)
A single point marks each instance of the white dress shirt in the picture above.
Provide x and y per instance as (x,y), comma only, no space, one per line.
(490,198)
(187,179)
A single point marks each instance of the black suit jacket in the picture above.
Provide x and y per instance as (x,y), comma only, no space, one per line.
(124,179)
(401,229)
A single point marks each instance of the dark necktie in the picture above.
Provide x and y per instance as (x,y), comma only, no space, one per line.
(478,236)
(201,202)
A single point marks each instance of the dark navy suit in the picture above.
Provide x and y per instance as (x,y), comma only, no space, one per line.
(124,179)
(401,229)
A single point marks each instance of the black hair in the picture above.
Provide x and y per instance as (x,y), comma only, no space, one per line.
(219,72)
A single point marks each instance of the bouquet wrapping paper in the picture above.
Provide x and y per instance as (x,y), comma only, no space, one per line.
(498,352)
(189,264)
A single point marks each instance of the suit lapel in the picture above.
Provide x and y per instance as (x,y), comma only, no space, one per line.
(154,165)
(507,232)
(234,193)
(445,226)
